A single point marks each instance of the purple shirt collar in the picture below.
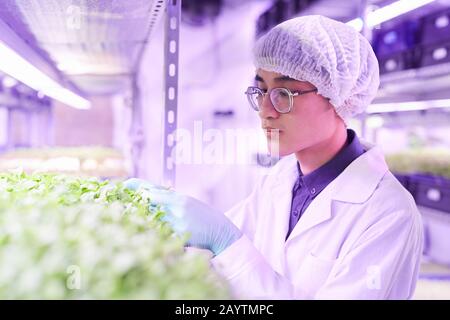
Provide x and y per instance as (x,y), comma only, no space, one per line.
(317,180)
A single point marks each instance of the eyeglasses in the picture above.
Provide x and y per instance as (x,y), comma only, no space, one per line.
(282,98)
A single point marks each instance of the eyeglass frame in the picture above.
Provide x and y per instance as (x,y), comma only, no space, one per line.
(291,94)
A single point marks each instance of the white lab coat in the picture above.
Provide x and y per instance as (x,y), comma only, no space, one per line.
(360,238)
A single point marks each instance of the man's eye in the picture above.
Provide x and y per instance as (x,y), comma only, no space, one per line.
(283,94)
(263,90)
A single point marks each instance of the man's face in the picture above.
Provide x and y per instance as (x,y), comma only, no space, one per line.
(311,121)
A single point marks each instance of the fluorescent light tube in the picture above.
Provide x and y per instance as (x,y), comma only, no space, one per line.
(356,23)
(388,12)
(408,106)
(20,69)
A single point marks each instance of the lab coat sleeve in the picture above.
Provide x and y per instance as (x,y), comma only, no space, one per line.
(382,264)
(242,265)
(248,273)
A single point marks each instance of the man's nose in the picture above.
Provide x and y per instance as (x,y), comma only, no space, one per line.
(267,109)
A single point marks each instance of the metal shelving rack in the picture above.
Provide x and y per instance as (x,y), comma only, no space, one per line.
(112,32)
(424,84)
(172,15)
(171,70)
(31,108)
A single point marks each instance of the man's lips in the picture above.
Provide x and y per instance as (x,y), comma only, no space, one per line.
(272,132)
(271,129)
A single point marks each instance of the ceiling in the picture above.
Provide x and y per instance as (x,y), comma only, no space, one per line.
(95,43)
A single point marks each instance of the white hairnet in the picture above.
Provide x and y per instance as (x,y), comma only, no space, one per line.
(329,54)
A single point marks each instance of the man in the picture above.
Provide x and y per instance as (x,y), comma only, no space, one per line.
(330,221)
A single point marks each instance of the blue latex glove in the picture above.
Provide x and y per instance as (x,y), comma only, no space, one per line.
(208,228)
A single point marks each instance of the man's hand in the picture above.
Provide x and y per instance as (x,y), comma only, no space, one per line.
(208,228)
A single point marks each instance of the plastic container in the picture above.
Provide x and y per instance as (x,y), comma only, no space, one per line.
(397,39)
(407,59)
(435,27)
(430,191)
(435,54)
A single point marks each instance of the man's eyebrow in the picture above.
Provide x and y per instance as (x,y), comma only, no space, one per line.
(279,79)
(258,78)
(284,78)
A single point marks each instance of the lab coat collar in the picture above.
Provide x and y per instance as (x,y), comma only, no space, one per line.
(360,179)
(354,185)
